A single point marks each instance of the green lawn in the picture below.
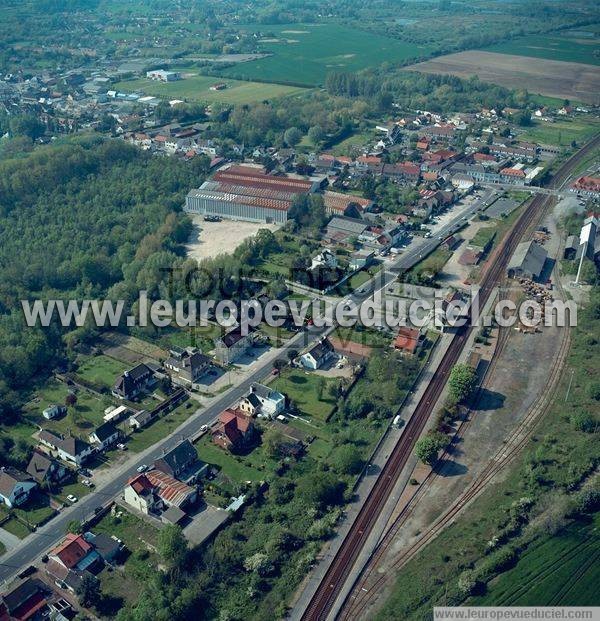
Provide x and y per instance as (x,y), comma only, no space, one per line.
(122,585)
(562,46)
(102,370)
(366,336)
(301,387)
(236,468)
(563,132)
(483,237)
(197,88)
(80,419)
(17,528)
(305,53)
(202,337)
(356,140)
(140,440)
(36,510)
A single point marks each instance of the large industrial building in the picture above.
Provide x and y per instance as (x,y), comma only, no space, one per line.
(247,193)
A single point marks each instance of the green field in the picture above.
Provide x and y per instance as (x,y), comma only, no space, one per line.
(564,46)
(197,88)
(562,133)
(305,53)
(556,571)
(301,388)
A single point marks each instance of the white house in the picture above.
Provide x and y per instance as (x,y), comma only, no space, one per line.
(104,436)
(325,259)
(68,448)
(263,401)
(318,355)
(15,486)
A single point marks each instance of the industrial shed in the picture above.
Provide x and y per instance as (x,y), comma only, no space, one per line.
(527,261)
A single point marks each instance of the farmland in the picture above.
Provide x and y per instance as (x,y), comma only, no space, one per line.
(197,88)
(305,53)
(564,80)
(570,46)
(556,571)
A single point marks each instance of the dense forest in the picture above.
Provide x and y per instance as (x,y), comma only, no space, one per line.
(84,219)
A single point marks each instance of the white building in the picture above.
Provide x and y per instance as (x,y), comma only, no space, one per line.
(163,76)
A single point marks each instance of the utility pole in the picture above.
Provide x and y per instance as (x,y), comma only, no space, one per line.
(569,386)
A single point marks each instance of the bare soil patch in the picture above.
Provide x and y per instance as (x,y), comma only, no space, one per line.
(564,80)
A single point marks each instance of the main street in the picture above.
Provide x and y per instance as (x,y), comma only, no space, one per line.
(36,544)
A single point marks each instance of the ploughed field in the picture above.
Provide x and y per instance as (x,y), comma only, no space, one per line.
(564,80)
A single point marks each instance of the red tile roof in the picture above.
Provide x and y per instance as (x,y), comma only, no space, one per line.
(72,550)
(250,177)
(407,339)
(591,184)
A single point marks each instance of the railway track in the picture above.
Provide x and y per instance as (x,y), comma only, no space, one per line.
(333,581)
(360,599)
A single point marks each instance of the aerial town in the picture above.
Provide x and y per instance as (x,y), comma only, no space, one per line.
(331,164)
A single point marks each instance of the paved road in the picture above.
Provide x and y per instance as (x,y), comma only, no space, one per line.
(36,544)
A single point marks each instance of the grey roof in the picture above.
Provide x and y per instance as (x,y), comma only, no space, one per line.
(529,257)
(173,514)
(70,445)
(254,400)
(179,457)
(105,431)
(261,390)
(38,466)
(572,242)
(348,225)
(321,350)
(9,477)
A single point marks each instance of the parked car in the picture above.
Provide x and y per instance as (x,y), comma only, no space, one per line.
(203,427)
(121,446)
(87,483)
(142,468)
(72,498)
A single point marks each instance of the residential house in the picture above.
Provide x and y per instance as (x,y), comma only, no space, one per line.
(32,599)
(318,355)
(360,259)
(234,431)
(68,448)
(74,553)
(324,260)
(109,548)
(45,469)
(104,436)
(131,383)
(186,366)
(408,340)
(233,344)
(172,492)
(142,495)
(182,463)
(262,401)
(15,486)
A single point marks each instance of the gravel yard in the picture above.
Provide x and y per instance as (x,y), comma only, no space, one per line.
(210,239)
